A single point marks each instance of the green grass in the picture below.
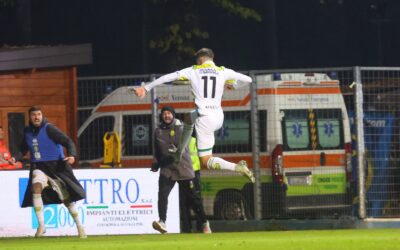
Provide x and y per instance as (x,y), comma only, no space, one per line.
(270,240)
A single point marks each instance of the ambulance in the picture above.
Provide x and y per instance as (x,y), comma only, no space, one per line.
(304,144)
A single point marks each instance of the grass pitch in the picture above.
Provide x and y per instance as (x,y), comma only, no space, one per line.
(286,240)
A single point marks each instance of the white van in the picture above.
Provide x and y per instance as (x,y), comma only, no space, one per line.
(305,145)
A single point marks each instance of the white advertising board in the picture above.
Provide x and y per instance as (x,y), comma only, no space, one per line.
(118,201)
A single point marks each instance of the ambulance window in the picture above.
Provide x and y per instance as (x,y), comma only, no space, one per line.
(262,119)
(295,129)
(329,127)
(137,139)
(91,143)
(235,134)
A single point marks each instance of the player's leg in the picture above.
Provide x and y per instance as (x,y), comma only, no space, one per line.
(217,163)
(188,126)
(165,186)
(205,127)
(75,215)
(39,182)
(60,188)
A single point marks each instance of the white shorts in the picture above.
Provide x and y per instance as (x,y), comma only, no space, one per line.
(205,126)
(39,177)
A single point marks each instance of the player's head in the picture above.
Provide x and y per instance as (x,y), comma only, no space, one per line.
(35,116)
(167,115)
(204,54)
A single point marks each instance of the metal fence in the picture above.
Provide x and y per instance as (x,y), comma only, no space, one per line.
(311,180)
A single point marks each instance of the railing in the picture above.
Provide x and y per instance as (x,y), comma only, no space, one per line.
(319,189)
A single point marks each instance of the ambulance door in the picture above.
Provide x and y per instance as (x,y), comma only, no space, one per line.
(298,153)
(330,176)
(313,150)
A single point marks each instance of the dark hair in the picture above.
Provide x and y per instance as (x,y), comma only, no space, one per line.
(204,52)
(34,108)
(168,108)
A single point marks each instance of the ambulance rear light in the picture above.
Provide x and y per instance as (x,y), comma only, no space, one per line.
(277,164)
(348,153)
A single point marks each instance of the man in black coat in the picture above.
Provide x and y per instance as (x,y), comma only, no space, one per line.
(51,180)
(167,137)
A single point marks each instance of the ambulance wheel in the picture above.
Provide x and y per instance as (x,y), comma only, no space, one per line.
(231,205)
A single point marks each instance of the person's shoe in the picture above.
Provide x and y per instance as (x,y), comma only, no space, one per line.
(40,231)
(207,228)
(160,226)
(242,169)
(81,232)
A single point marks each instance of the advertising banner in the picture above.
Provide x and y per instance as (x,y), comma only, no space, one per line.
(378,133)
(118,201)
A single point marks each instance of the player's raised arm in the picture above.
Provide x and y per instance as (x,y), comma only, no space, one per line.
(236,80)
(233,75)
(141,91)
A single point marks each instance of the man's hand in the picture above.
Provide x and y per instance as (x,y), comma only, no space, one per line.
(70,160)
(154,167)
(12,161)
(229,87)
(140,92)
(230,84)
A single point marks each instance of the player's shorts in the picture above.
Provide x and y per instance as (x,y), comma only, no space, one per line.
(39,177)
(205,126)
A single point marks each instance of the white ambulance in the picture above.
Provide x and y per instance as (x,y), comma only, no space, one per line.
(305,144)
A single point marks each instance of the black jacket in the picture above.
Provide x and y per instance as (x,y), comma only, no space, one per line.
(165,136)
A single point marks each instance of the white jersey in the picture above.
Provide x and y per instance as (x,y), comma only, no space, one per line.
(207,82)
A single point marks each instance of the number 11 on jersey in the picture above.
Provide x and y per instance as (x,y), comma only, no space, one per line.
(214,83)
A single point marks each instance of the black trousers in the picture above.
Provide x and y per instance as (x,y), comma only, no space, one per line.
(186,188)
(186,206)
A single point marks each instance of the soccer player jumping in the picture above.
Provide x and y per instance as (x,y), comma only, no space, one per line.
(207,82)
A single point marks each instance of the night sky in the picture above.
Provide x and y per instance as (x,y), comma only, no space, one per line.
(292,33)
